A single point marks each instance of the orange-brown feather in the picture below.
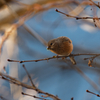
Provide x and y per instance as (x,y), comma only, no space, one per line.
(64,49)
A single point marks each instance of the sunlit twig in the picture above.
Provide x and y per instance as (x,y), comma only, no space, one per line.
(95,4)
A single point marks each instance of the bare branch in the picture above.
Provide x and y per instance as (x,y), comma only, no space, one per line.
(8,31)
(36,35)
(93,93)
(93,84)
(97,22)
(91,60)
(96,55)
(33,96)
(76,17)
(17,82)
(29,76)
(95,4)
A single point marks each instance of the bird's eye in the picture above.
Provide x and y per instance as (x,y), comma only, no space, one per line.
(51,43)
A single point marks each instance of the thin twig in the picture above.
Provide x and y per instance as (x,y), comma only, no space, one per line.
(92,57)
(95,4)
(50,58)
(93,84)
(85,77)
(93,93)
(19,83)
(29,76)
(76,17)
(33,96)
(36,35)
(91,60)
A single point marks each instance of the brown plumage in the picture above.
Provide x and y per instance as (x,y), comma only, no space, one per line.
(61,46)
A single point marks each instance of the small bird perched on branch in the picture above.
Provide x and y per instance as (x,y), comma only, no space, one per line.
(61,46)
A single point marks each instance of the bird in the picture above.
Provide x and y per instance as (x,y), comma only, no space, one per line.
(61,46)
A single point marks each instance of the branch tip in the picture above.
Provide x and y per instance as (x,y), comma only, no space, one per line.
(22,93)
(87,90)
(56,10)
(8,60)
(72,98)
(98,95)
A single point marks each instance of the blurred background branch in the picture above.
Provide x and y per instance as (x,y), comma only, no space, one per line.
(25,28)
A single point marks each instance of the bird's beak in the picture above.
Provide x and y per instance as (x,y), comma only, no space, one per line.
(48,48)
